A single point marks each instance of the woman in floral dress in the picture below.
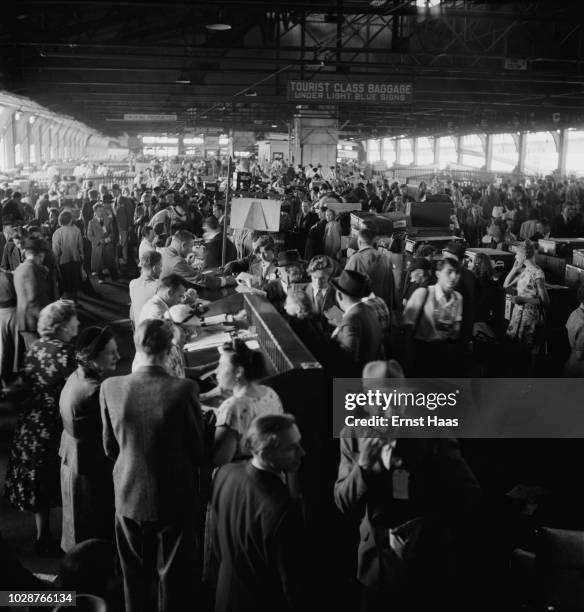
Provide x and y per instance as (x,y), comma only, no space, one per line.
(528,316)
(32,475)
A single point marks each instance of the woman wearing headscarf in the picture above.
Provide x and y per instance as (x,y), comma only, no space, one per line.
(86,472)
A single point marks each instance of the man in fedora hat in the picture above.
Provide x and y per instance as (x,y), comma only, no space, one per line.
(359,334)
(290,273)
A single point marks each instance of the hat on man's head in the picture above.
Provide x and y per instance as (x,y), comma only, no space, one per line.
(455,249)
(38,245)
(420,263)
(383,369)
(352,283)
(289,258)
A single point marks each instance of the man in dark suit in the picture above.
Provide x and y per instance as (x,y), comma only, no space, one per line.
(415,499)
(320,292)
(359,335)
(566,224)
(258,550)
(315,237)
(13,254)
(31,285)
(213,235)
(305,219)
(152,429)
(375,264)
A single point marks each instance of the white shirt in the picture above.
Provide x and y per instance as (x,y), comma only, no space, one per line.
(144,247)
(316,292)
(142,290)
(154,308)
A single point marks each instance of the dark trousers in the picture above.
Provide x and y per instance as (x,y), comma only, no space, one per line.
(441,359)
(160,552)
(70,279)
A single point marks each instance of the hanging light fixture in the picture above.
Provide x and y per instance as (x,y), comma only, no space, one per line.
(219,25)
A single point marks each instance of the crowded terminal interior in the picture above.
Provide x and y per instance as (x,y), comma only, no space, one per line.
(227,229)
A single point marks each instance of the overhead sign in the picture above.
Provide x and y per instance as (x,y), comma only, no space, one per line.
(343,92)
(139,117)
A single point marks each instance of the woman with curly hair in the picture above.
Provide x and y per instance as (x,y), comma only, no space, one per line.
(32,475)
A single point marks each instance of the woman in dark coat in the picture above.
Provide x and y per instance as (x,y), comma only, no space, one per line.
(86,472)
(32,474)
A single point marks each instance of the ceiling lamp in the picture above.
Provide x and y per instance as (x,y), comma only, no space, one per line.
(32,119)
(183,81)
(315,63)
(219,26)
(251,94)
(377,3)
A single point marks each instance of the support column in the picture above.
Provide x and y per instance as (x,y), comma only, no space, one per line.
(415,151)
(561,140)
(488,152)
(459,151)
(436,150)
(522,149)
(398,150)
(27,141)
(316,138)
(7,153)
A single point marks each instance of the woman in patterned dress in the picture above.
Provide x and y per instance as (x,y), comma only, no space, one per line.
(528,316)
(239,369)
(32,475)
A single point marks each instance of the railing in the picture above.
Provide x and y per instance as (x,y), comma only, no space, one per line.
(275,336)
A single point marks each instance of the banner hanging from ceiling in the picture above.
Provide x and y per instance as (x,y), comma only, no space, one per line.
(343,92)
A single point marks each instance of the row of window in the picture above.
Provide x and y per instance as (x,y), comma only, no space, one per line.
(541,151)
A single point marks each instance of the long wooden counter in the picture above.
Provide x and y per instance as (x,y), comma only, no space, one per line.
(291,369)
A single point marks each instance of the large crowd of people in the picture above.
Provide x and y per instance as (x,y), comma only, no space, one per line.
(176,502)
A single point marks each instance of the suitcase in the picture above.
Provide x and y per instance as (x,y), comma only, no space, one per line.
(574,276)
(438,242)
(502,260)
(360,219)
(553,267)
(578,258)
(429,214)
(384,224)
(562,302)
(560,247)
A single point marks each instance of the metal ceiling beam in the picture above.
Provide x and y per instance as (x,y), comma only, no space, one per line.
(565,12)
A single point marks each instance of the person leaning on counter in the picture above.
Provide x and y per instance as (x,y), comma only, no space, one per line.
(174,262)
